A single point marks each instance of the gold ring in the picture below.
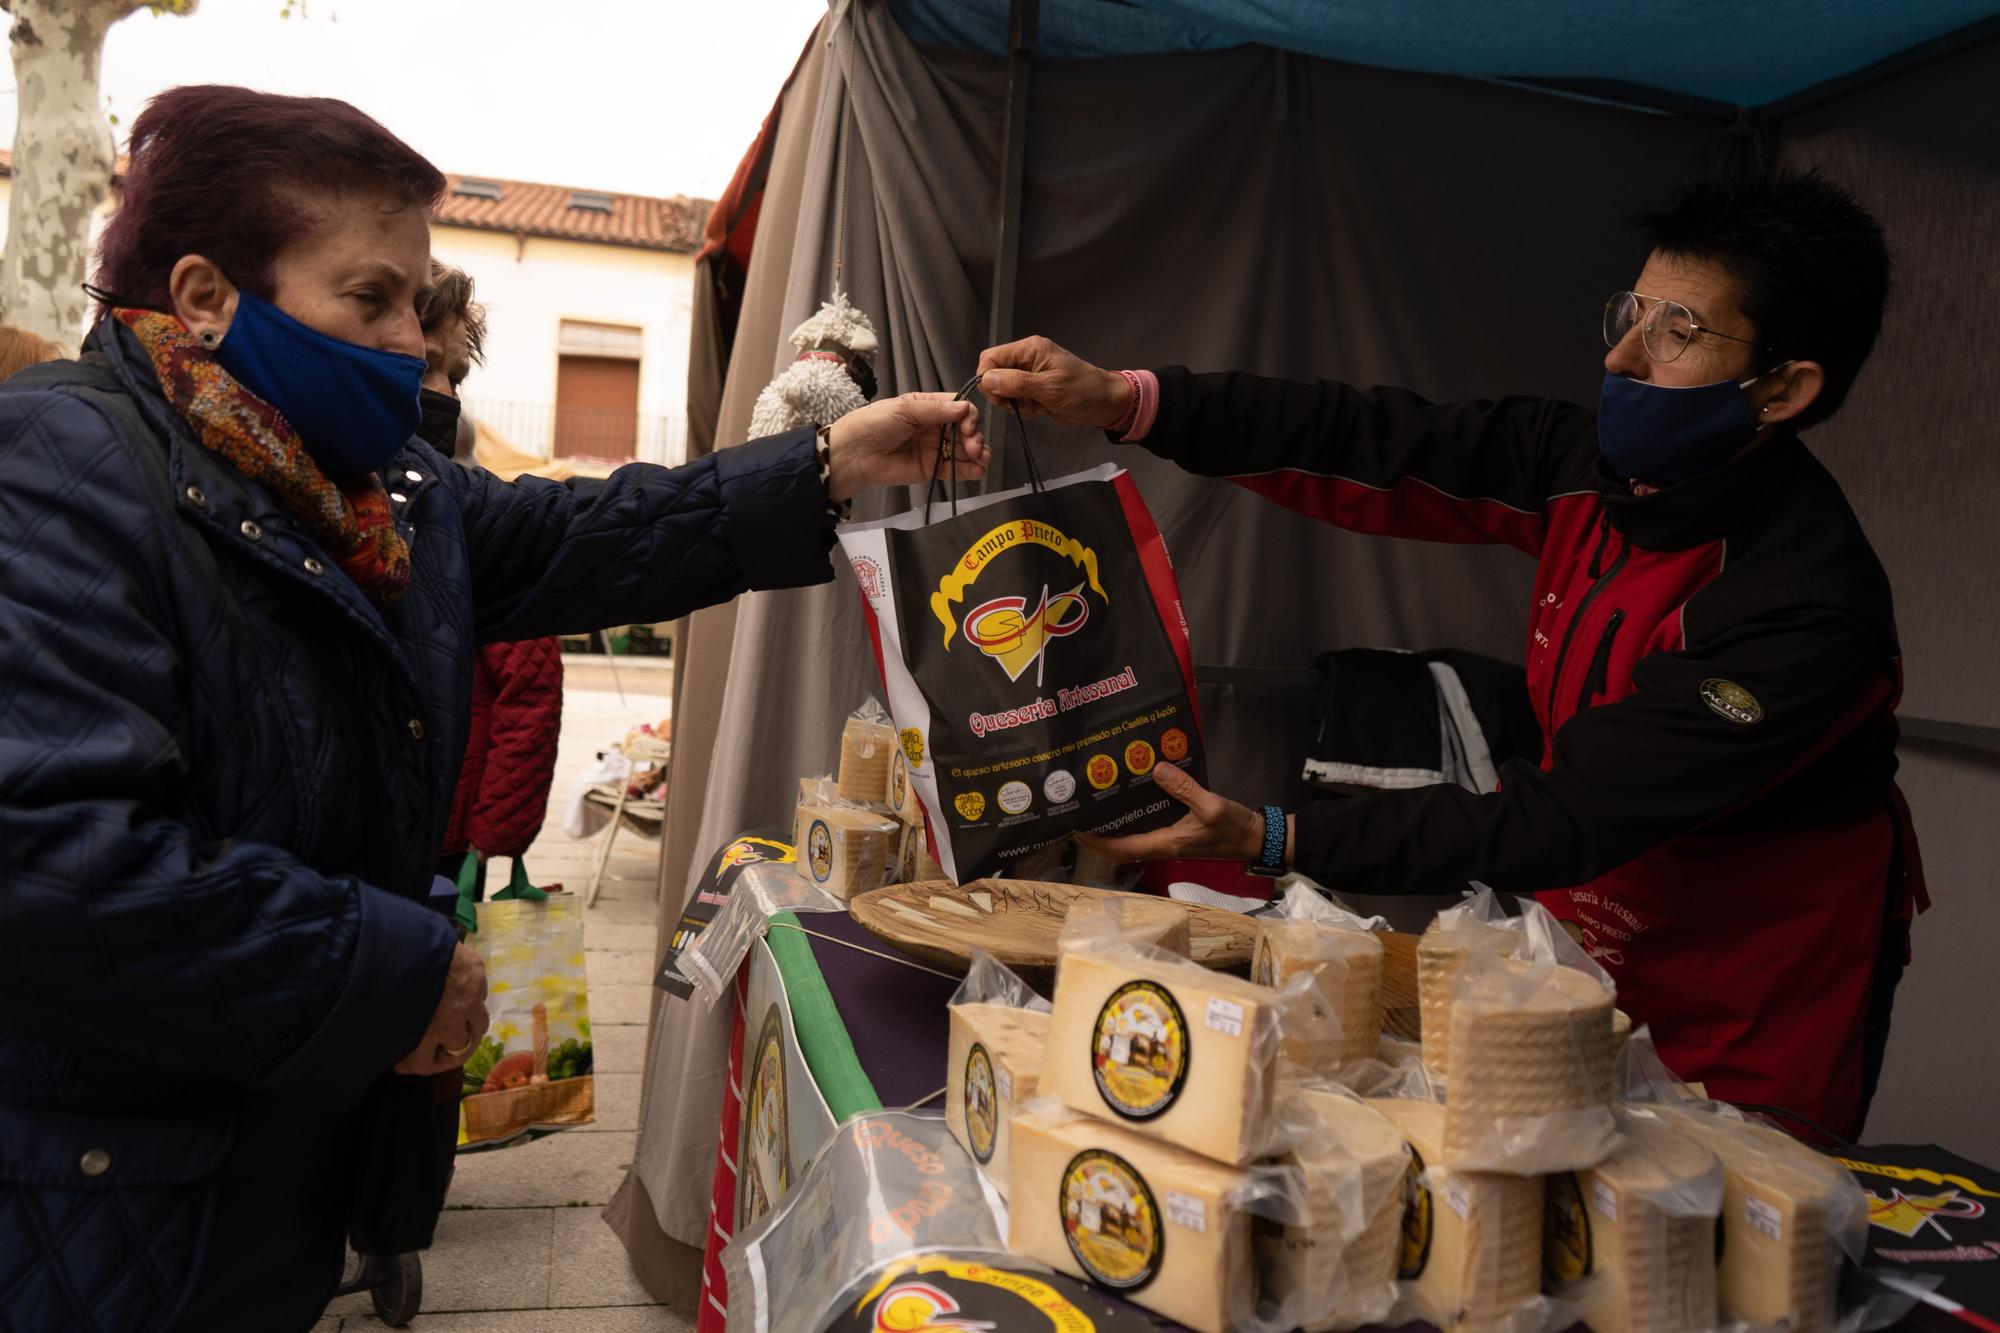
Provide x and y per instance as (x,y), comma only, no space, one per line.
(463,1050)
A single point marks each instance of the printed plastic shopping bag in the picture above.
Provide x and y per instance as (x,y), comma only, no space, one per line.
(1036,660)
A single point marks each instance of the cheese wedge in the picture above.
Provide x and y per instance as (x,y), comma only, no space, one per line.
(995,1057)
(1784,1208)
(1531,1057)
(1346,968)
(844,850)
(1471,1252)
(1127,1031)
(1654,1272)
(1440,953)
(865,748)
(1141,918)
(1323,1280)
(1154,1223)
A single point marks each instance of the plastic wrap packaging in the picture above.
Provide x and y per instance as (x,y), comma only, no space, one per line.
(902,794)
(866,743)
(843,848)
(1165,1228)
(914,863)
(999,1029)
(1531,1068)
(887,1185)
(1639,1229)
(1470,1256)
(1338,1269)
(760,892)
(1342,955)
(1140,918)
(1130,1022)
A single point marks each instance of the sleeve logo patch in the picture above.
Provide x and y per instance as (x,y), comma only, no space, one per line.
(1727,699)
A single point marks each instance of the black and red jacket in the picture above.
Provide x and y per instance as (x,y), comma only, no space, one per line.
(1715,670)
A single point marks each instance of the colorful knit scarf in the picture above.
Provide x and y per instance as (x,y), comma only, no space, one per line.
(352,521)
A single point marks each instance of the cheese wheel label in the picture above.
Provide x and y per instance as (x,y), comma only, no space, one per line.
(899,781)
(819,850)
(1110,1220)
(1565,1232)
(1415,1255)
(982,1107)
(1139,1051)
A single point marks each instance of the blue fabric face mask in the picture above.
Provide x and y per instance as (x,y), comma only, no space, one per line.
(1662,435)
(353,406)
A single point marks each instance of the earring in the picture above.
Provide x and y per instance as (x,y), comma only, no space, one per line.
(209,338)
(1763,411)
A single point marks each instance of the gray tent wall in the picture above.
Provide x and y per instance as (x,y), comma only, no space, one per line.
(1295,216)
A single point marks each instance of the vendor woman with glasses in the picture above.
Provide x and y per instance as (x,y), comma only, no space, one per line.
(1711,650)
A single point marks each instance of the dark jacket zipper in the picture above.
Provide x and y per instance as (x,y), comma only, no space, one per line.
(1600,664)
(1604,533)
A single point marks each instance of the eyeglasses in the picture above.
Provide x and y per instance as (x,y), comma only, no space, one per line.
(1668,326)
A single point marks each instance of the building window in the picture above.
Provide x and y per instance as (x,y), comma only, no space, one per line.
(597,390)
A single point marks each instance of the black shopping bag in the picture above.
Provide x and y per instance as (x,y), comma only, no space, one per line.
(1036,661)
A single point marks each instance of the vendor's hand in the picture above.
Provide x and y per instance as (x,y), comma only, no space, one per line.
(460,1020)
(1041,379)
(1214,828)
(895,443)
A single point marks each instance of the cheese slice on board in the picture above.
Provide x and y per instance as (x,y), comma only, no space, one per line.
(1141,918)
(865,748)
(844,850)
(1654,1271)
(995,1057)
(1327,1282)
(1531,1057)
(1783,1210)
(1153,1222)
(1129,1031)
(1346,968)
(1440,953)
(1471,1244)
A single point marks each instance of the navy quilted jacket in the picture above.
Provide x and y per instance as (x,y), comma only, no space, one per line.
(195,987)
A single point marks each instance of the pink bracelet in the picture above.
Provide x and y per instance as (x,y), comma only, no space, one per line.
(1131,417)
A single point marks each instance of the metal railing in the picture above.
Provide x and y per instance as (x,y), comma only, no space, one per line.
(554,431)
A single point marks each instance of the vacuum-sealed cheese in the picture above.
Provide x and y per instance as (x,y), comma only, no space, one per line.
(995,1059)
(1531,1061)
(1446,943)
(1346,970)
(1471,1244)
(1129,1028)
(901,796)
(1161,1226)
(865,747)
(845,850)
(1641,1224)
(1338,1269)
(1788,1215)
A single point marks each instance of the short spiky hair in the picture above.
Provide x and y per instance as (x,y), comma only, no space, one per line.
(451,298)
(1809,262)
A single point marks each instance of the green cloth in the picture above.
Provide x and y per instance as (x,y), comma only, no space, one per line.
(822,1037)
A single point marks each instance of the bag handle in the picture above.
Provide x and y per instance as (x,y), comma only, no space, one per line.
(948,449)
(519,887)
(467,911)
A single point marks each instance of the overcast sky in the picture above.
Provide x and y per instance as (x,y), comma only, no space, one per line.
(654,97)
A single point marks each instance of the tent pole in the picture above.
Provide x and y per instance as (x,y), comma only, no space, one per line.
(1021,28)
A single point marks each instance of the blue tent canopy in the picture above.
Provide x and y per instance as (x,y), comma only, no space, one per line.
(1735,51)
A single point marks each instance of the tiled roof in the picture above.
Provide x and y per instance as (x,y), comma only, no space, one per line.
(575,215)
(522,207)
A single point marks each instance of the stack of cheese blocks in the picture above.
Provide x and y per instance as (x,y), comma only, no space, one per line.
(1139,1189)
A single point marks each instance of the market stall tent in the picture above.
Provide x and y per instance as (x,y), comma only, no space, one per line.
(1426,195)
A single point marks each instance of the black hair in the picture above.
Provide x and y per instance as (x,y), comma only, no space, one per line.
(1810,265)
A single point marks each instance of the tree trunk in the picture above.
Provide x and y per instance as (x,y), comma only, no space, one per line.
(63,156)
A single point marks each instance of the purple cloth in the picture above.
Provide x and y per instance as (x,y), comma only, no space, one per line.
(894,1014)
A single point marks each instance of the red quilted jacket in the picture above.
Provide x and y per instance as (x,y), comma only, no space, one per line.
(510,754)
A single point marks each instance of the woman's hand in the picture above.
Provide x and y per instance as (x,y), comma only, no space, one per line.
(895,443)
(1043,380)
(1214,828)
(460,1020)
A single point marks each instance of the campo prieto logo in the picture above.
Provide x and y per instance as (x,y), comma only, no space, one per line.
(1015,630)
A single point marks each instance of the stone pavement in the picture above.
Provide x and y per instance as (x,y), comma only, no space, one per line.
(521,1247)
